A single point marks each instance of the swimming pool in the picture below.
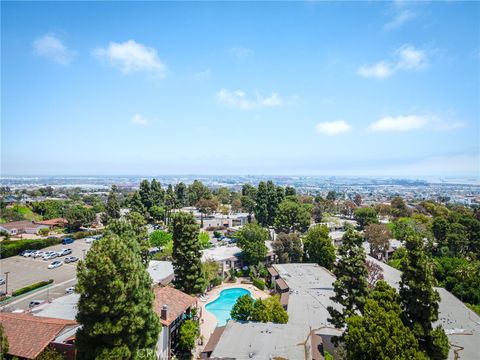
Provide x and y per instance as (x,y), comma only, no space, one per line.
(222,305)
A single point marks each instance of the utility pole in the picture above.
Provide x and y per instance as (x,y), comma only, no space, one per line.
(6,281)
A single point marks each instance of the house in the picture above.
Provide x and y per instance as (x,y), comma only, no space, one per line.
(22,227)
(161,272)
(173,307)
(29,335)
(53,223)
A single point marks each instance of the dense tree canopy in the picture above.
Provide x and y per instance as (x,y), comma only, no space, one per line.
(319,247)
(251,239)
(187,263)
(116,302)
(288,248)
(292,217)
(366,216)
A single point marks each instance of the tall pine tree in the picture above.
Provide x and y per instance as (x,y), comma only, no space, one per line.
(157,194)
(261,206)
(145,194)
(419,299)
(186,255)
(112,209)
(350,287)
(115,309)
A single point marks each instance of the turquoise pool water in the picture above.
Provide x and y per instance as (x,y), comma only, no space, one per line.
(222,305)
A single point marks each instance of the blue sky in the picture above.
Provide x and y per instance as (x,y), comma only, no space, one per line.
(317,88)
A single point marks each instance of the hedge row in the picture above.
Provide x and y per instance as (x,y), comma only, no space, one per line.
(31,287)
(14,247)
(83,234)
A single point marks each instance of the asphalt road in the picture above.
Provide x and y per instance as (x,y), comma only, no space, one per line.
(26,271)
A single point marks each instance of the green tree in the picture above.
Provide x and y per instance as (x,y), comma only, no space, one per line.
(350,287)
(157,194)
(366,216)
(115,309)
(261,204)
(3,343)
(188,334)
(206,207)
(274,198)
(399,208)
(277,313)
(160,238)
(136,204)
(196,191)
(332,195)
(145,194)
(379,334)
(292,216)
(248,204)
(419,300)
(187,263)
(181,194)
(157,213)
(290,191)
(204,240)
(49,354)
(210,269)
(243,308)
(288,248)
(318,246)
(223,195)
(78,216)
(251,239)
(260,312)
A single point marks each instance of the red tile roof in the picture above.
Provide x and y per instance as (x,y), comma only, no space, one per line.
(177,301)
(29,335)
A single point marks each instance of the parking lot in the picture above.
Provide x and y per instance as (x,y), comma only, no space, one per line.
(25,271)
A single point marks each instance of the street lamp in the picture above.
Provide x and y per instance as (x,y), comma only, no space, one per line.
(6,281)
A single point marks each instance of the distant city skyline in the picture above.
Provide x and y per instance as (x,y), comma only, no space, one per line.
(304,88)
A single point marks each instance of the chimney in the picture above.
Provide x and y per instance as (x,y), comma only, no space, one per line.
(164,312)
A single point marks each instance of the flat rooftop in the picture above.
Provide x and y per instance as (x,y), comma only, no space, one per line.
(160,271)
(461,324)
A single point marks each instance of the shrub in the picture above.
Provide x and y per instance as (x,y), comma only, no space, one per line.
(44,231)
(216,281)
(259,283)
(213,228)
(14,247)
(160,238)
(31,287)
(83,234)
(217,234)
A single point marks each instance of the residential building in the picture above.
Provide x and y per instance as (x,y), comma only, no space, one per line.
(29,335)
(173,307)
(53,223)
(22,227)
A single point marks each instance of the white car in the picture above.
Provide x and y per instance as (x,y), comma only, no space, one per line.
(2,281)
(55,264)
(28,253)
(70,290)
(89,240)
(49,255)
(38,253)
(64,252)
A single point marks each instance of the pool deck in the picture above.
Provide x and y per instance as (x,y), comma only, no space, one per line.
(209,322)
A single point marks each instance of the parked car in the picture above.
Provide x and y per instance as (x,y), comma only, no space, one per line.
(55,264)
(49,255)
(28,253)
(2,281)
(70,259)
(64,252)
(70,290)
(66,241)
(38,253)
(89,240)
(34,303)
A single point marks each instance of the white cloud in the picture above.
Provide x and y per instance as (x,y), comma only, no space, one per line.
(131,56)
(400,18)
(138,119)
(379,70)
(239,99)
(51,47)
(241,53)
(333,127)
(399,123)
(414,122)
(411,58)
(405,58)
(203,75)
